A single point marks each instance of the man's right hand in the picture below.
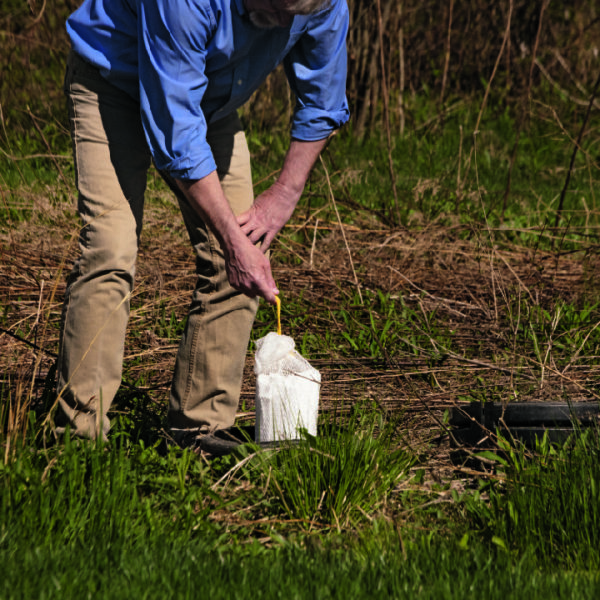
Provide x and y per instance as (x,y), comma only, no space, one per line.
(248,269)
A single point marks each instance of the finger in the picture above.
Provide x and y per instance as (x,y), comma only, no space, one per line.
(252,227)
(244,217)
(256,236)
(267,282)
(270,297)
(246,228)
(269,292)
(266,242)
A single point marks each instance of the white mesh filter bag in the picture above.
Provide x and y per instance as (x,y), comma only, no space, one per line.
(287,390)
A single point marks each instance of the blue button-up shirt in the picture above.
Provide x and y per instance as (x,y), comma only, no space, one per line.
(195,61)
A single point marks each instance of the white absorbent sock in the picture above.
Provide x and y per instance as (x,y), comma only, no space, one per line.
(287,390)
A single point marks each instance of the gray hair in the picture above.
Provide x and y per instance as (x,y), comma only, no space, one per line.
(304,7)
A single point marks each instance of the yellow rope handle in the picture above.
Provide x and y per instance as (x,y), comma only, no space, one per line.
(278,302)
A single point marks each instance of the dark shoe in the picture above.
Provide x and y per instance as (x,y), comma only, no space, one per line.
(186,438)
(213,444)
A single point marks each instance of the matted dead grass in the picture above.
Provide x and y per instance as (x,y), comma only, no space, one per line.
(461,274)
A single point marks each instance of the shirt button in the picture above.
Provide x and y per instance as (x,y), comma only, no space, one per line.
(239,82)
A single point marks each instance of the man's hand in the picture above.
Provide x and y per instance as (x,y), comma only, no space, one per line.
(248,269)
(274,207)
(269,213)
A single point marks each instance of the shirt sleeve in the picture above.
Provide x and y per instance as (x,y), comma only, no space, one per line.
(173,37)
(316,70)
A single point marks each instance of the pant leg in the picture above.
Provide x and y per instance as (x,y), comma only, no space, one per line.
(111,163)
(208,372)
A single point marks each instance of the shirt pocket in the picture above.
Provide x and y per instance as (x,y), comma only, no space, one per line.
(236,94)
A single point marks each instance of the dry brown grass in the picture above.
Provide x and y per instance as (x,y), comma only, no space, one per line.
(453,272)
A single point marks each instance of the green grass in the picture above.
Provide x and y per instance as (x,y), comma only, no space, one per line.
(80,520)
(338,478)
(355,512)
(362,510)
(447,174)
(548,507)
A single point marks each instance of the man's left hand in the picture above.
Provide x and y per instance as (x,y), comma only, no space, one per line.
(269,213)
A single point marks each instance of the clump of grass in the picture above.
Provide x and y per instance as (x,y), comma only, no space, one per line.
(547,506)
(81,491)
(339,478)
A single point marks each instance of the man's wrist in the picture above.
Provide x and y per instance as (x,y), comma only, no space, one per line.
(289,188)
(298,164)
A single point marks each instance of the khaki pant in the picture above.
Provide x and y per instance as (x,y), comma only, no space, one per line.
(111,162)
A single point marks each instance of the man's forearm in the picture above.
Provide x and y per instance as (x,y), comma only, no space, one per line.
(207,198)
(299,160)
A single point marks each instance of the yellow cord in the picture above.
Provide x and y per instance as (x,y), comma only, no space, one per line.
(278,302)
